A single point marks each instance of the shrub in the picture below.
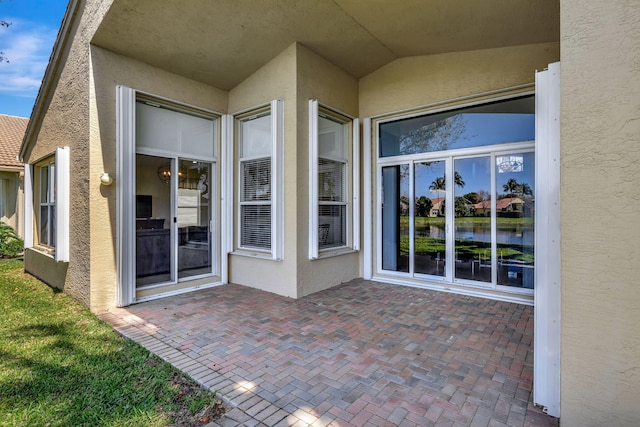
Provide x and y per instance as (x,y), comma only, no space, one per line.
(11,245)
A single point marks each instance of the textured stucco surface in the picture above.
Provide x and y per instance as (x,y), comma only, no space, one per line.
(108,71)
(66,123)
(332,87)
(421,80)
(275,80)
(600,200)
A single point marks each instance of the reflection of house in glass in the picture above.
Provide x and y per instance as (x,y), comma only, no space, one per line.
(509,206)
(438,206)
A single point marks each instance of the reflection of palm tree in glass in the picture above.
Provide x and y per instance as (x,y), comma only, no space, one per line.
(514,187)
(439,183)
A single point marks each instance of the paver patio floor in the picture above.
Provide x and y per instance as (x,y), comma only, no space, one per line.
(360,354)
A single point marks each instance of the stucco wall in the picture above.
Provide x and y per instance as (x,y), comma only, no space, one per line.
(417,81)
(66,123)
(12,201)
(275,80)
(108,71)
(600,201)
(332,87)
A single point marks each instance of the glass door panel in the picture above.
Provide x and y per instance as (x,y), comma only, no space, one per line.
(395,218)
(514,219)
(472,219)
(429,218)
(193,218)
(153,220)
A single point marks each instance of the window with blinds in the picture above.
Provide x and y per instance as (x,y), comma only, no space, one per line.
(332,203)
(256,182)
(332,181)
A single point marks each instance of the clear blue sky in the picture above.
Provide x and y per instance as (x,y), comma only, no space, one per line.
(26,44)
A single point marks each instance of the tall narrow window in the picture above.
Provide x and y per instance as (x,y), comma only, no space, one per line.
(331,186)
(47,196)
(256,182)
(47,203)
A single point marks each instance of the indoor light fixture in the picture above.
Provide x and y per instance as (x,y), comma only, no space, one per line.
(164,172)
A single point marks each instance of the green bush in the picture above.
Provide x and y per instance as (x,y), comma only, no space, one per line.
(11,245)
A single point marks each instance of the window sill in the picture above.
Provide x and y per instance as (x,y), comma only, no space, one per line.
(254,254)
(45,250)
(334,252)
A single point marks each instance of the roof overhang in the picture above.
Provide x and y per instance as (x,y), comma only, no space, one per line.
(222,42)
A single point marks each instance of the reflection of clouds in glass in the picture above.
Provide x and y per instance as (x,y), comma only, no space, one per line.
(487,124)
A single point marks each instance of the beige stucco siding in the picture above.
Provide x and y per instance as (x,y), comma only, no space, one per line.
(66,122)
(334,88)
(108,71)
(600,119)
(275,80)
(12,200)
(416,81)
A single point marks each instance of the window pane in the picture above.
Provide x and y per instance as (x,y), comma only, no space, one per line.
(331,182)
(194,218)
(395,218)
(515,186)
(332,226)
(331,139)
(163,128)
(256,137)
(487,124)
(429,220)
(52,226)
(256,226)
(44,225)
(256,180)
(44,184)
(472,206)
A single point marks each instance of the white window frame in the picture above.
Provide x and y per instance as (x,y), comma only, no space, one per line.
(47,200)
(351,178)
(275,110)
(59,187)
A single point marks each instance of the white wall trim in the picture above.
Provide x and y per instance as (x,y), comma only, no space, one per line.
(546,379)
(367,217)
(125,191)
(355,141)
(226,186)
(277,189)
(28,206)
(313,179)
(63,166)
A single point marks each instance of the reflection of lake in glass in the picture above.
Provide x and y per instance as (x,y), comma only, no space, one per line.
(510,234)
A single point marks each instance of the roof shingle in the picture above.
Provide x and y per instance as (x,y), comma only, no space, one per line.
(12,131)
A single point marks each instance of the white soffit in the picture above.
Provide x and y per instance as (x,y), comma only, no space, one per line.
(222,42)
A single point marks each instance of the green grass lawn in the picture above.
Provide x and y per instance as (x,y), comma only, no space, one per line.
(61,366)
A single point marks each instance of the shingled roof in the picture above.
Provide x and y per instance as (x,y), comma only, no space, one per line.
(12,130)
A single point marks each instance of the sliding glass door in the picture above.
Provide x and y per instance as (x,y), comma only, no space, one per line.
(193,219)
(175,194)
(456,192)
(173,219)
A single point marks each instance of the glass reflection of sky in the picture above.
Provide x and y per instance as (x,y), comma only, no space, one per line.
(488,124)
(476,174)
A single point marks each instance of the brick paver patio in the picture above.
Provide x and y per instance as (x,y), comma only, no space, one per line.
(360,354)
